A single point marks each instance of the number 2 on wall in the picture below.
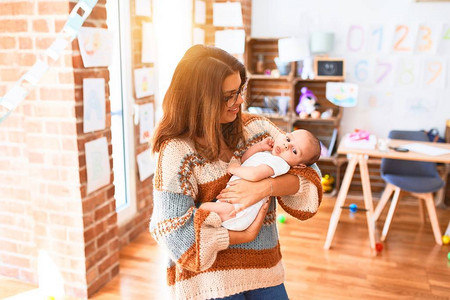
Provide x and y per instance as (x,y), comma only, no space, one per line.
(403,31)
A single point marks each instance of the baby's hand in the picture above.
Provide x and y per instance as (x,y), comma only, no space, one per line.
(267,144)
(232,167)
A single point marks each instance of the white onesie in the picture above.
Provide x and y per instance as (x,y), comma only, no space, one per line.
(246,217)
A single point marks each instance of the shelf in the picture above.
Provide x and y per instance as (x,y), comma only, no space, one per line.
(268,77)
(309,119)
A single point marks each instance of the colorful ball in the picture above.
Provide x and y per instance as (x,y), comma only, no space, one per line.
(353,207)
(379,247)
(448,256)
(445,239)
(281,218)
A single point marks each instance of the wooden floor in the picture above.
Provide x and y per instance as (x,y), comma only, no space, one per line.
(411,265)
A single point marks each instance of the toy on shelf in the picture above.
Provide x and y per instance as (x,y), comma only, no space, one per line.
(327,183)
(306,103)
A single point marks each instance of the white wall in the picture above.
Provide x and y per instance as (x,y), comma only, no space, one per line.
(380,107)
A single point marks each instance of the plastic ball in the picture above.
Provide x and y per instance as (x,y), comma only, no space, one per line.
(281,218)
(379,247)
(445,239)
(448,256)
(353,207)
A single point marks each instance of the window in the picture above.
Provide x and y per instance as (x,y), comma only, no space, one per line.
(121,97)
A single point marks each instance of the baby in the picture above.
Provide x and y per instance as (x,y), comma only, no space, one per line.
(268,158)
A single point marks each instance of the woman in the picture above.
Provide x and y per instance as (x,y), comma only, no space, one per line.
(201,131)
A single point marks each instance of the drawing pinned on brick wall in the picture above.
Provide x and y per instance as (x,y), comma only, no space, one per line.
(146,122)
(232,41)
(144,82)
(200,12)
(148,43)
(96,46)
(97,164)
(227,14)
(198,36)
(93,104)
(146,164)
(143,8)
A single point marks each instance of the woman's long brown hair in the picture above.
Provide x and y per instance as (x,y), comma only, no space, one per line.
(194,101)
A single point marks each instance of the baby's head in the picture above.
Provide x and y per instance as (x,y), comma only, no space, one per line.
(299,148)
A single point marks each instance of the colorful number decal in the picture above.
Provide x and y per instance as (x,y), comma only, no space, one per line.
(379,31)
(351,37)
(425,41)
(361,70)
(435,68)
(406,76)
(403,30)
(447,35)
(387,69)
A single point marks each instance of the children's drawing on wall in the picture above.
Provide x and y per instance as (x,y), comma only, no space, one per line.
(97,164)
(444,40)
(148,43)
(96,46)
(146,165)
(428,37)
(146,122)
(377,100)
(424,102)
(93,104)
(407,72)
(342,94)
(144,82)
(433,72)
(143,8)
(200,12)
(404,38)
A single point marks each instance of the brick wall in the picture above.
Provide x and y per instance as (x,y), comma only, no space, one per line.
(43,201)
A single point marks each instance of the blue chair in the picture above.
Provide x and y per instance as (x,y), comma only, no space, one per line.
(420,179)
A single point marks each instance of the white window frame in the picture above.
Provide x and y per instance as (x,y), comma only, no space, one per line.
(126,213)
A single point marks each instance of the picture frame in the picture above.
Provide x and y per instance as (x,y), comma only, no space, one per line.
(329,68)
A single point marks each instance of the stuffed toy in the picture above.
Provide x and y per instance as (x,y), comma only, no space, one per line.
(306,103)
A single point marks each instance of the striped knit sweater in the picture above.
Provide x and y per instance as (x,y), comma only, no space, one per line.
(201,263)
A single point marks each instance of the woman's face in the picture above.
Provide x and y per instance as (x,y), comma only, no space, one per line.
(230,88)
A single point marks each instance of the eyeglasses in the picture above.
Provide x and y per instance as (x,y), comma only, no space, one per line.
(231,100)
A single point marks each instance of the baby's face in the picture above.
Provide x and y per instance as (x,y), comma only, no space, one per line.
(293,147)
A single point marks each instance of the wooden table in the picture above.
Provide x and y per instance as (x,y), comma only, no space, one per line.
(360,156)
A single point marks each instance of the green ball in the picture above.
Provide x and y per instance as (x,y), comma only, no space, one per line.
(281,218)
(448,256)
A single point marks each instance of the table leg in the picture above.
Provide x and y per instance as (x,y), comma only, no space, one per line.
(440,195)
(367,198)
(340,200)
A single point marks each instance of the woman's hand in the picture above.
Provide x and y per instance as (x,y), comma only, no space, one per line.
(246,193)
(249,234)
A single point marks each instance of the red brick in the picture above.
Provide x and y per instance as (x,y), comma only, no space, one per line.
(7,42)
(16,8)
(16,25)
(10,74)
(59,24)
(25,43)
(40,25)
(15,260)
(44,43)
(9,271)
(26,59)
(53,8)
